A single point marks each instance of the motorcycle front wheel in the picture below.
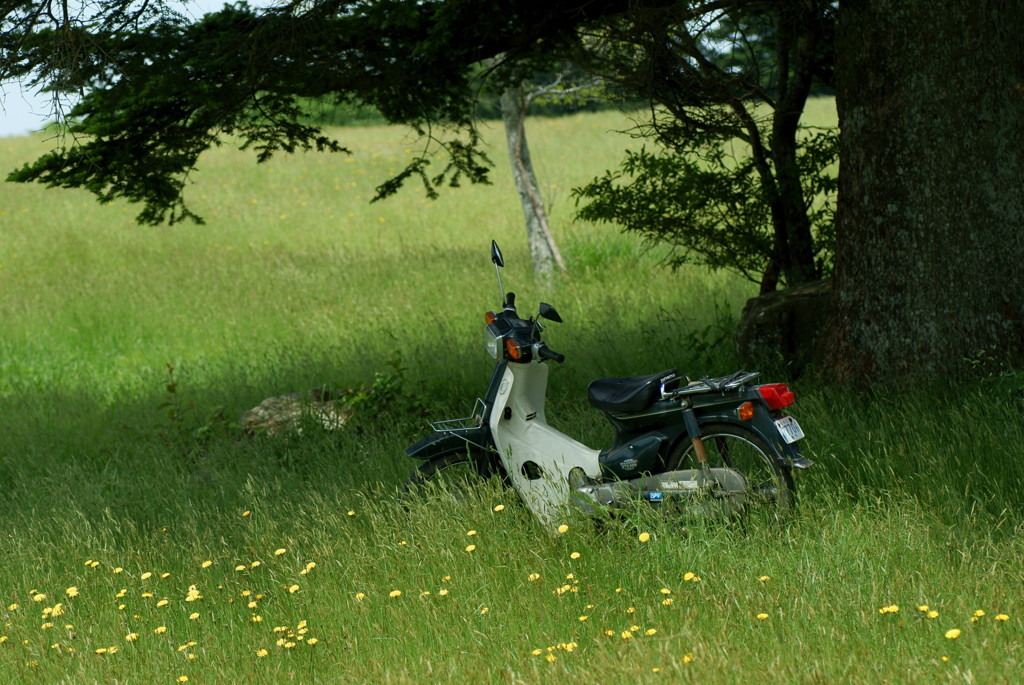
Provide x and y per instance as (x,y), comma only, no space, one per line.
(769,495)
(455,475)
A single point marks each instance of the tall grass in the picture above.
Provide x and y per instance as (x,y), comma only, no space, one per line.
(298,282)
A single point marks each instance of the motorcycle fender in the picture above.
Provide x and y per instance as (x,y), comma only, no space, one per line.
(786,455)
(448,442)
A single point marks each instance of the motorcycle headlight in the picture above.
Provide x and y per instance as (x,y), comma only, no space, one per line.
(492,341)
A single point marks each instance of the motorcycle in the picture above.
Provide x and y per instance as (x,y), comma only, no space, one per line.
(715,447)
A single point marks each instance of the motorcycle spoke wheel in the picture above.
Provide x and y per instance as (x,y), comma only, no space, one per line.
(769,493)
(455,476)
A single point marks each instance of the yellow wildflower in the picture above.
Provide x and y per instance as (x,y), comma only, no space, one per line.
(193,616)
(533,576)
(644,537)
(953,633)
(160,630)
(762,616)
(470,548)
(72,591)
(278,552)
(499,507)
(1002,617)
(206,564)
(574,555)
(293,589)
(562,528)
(395,593)
(261,652)
(146,575)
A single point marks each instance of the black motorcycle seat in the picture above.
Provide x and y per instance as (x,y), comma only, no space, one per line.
(628,394)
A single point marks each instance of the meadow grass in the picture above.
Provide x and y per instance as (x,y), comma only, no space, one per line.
(149,539)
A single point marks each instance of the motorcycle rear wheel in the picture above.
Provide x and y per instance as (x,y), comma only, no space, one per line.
(770,492)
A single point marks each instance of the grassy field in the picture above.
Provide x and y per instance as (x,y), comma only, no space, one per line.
(148,539)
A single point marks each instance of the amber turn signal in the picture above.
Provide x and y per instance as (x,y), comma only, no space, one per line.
(513,350)
(490,317)
(745,411)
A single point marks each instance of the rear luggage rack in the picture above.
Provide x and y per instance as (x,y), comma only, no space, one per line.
(465,424)
(706,384)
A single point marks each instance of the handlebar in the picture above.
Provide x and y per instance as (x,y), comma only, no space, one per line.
(545,352)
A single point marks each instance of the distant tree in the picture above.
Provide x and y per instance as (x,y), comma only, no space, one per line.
(518,95)
(515,102)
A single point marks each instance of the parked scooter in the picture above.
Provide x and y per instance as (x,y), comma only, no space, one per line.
(715,447)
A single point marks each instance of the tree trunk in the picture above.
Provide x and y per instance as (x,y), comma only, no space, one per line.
(930,214)
(543,250)
(798,38)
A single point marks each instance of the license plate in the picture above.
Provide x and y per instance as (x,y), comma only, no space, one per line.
(789,429)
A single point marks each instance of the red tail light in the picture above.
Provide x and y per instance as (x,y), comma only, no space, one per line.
(777,395)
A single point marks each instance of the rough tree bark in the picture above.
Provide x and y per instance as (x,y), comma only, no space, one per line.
(930,215)
(543,251)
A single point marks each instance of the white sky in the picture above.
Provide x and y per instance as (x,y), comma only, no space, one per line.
(23,111)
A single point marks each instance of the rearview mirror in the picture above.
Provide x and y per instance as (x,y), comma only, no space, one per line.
(549,313)
(496,255)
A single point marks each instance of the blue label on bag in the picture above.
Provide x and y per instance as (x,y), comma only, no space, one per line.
(655,496)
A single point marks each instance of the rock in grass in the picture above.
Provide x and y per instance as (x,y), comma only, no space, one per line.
(288,413)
